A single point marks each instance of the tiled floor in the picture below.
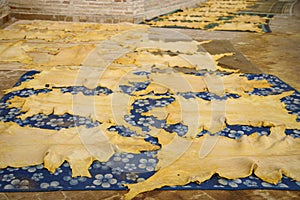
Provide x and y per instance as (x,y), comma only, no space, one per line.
(157,195)
(274,53)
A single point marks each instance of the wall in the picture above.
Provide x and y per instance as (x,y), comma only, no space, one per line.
(157,7)
(110,11)
(73,10)
(4,12)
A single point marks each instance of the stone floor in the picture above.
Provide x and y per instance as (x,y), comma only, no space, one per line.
(274,53)
(158,195)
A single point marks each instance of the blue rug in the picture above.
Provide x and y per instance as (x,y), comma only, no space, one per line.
(265,27)
(125,168)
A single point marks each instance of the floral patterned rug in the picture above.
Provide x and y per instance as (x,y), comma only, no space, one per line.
(125,168)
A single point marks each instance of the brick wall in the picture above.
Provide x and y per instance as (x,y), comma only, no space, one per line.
(4,12)
(94,10)
(73,10)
